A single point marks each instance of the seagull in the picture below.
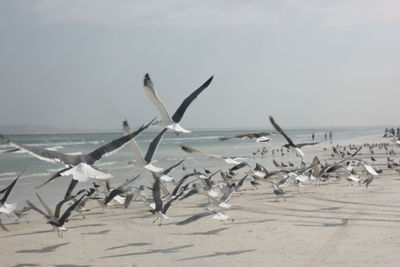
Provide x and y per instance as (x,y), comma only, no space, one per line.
(167,121)
(54,219)
(369,180)
(5,207)
(290,143)
(259,137)
(79,166)
(228,160)
(144,161)
(119,190)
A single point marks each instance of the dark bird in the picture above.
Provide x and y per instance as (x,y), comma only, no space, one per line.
(54,219)
(5,207)
(290,143)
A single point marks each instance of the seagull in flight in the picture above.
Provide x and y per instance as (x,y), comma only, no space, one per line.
(259,137)
(228,160)
(167,121)
(5,207)
(290,143)
(54,219)
(79,166)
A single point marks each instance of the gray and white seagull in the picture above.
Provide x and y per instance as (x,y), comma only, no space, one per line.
(79,166)
(167,121)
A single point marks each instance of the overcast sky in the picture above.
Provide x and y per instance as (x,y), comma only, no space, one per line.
(80,63)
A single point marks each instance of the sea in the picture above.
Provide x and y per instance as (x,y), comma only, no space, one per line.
(168,152)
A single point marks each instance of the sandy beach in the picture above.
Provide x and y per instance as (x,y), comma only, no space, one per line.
(331,224)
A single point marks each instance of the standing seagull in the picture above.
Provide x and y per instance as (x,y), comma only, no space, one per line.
(290,143)
(167,121)
(79,166)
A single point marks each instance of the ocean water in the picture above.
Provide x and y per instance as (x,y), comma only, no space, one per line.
(168,152)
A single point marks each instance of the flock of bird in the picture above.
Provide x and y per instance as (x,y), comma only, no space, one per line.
(344,161)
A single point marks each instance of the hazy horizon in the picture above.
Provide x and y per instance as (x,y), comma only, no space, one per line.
(310,64)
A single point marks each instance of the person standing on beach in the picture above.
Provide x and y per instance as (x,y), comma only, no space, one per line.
(325,136)
(312,136)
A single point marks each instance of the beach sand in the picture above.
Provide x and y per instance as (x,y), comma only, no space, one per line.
(331,224)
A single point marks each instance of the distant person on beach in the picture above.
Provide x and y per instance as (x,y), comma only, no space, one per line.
(313,136)
(325,136)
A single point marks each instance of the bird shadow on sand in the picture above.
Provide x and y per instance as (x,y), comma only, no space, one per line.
(25,265)
(248,222)
(43,250)
(153,251)
(211,232)
(97,233)
(130,245)
(217,254)
(343,223)
(87,225)
(32,233)
(71,265)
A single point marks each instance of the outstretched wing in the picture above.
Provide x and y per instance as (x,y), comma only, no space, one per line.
(8,189)
(198,152)
(153,146)
(67,213)
(151,93)
(113,146)
(279,129)
(307,144)
(188,100)
(137,151)
(43,154)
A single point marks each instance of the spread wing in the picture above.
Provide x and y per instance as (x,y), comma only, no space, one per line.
(67,213)
(153,146)
(307,144)
(44,154)
(137,151)
(113,146)
(279,129)
(8,189)
(151,93)
(188,100)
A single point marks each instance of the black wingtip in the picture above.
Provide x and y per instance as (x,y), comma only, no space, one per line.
(146,79)
(125,123)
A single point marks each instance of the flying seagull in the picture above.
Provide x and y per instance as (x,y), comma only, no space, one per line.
(167,121)
(79,166)
(54,219)
(290,143)
(259,137)
(5,207)
(228,160)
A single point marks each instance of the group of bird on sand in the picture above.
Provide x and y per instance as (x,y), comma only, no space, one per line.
(344,162)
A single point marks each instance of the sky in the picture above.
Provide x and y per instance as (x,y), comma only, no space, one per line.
(81,63)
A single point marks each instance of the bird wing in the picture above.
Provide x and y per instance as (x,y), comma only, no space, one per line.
(166,171)
(57,174)
(37,209)
(44,154)
(67,213)
(188,100)
(113,146)
(119,190)
(48,209)
(9,188)
(279,129)
(307,144)
(195,151)
(157,194)
(151,93)
(153,146)
(137,151)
